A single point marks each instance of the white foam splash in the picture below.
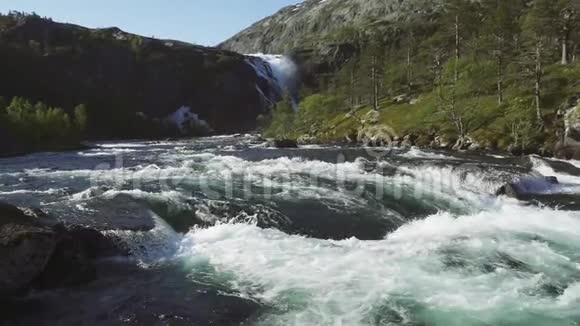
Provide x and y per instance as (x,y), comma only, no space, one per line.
(122,145)
(568,183)
(321,282)
(152,247)
(187,121)
(415,152)
(26,191)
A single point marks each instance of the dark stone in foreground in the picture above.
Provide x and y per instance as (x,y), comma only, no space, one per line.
(26,247)
(80,277)
(38,252)
(125,294)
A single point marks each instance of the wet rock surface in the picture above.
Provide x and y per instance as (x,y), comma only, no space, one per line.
(283,143)
(26,247)
(125,294)
(38,252)
(121,212)
(528,186)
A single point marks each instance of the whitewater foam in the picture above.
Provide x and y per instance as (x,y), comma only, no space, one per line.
(26,191)
(415,152)
(468,258)
(321,282)
(568,183)
(152,247)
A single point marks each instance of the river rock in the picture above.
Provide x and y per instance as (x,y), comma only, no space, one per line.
(306,140)
(38,252)
(121,212)
(72,262)
(466,143)
(408,141)
(26,247)
(441,142)
(527,186)
(282,143)
(375,135)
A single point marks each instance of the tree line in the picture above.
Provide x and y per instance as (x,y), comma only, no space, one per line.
(29,126)
(512,62)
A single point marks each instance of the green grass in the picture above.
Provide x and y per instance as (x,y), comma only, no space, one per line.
(488,122)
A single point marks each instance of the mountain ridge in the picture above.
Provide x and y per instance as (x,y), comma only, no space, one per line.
(293,26)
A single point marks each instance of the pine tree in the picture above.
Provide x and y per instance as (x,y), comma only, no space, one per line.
(568,18)
(501,28)
(461,23)
(348,81)
(372,69)
(540,29)
(409,46)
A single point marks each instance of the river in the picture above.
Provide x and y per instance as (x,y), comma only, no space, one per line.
(320,235)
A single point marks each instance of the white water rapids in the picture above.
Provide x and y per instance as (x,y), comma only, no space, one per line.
(451,254)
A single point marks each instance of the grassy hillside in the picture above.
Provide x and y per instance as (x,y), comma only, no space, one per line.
(494,74)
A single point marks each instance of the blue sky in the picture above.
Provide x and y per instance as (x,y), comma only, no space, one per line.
(205,22)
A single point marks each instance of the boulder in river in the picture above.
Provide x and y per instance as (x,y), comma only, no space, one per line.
(527,186)
(26,247)
(38,252)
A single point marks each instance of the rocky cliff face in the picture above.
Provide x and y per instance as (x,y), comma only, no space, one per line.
(308,24)
(322,35)
(118,75)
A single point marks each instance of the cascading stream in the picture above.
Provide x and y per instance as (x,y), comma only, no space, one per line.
(278,75)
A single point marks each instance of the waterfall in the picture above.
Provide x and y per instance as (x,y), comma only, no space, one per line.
(277,74)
